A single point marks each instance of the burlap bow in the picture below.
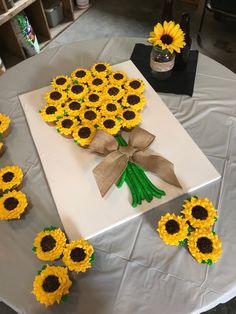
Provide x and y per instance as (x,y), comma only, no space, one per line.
(109,171)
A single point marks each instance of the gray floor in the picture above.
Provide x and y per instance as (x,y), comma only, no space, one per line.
(135,18)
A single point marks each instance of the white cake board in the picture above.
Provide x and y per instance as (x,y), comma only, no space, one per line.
(68,168)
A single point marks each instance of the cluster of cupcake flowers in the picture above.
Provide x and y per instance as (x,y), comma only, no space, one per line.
(52,282)
(13,202)
(194,228)
(4,130)
(100,98)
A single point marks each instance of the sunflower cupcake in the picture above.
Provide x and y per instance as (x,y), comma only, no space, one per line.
(199,212)
(114,92)
(173,230)
(110,125)
(90,115)
(134,101)
(130,118)
(4,125)
(83,134)
(77,91)
(1,149)
(56,97)
(78,255)
(12,205)
(135,86)
(97,84)
(66,126)
(49,244)
(93,99)
(80,75)
(51,113)
(117,78)
(111,108)
(51,284)
(61,82)
(10,177)
(205,246)
(73,108)
(101,69)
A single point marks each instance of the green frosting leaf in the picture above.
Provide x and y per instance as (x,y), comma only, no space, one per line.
(92,258)
(34,249)
(183,242)
(118,118)
(215,219)
(64,298)
(50,228)
(209,262)
(75,82)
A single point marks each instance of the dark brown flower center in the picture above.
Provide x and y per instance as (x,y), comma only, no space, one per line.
(199,212)
(11,203)
(78,254)
(84,132)
(113,91)
(80,74)
(133,99)
(90,115)
(118,76)
(74,105)
(205,245)
(135,84)
(172,226)
(166,39)
(67,123)
(77,89)
(55,95)
(97,81)
(51,110)
(48,243)
(111,107)
(51,283)
(129,115)
(8,176)
(93,97)
(100,67)
(109,124)
(61,81)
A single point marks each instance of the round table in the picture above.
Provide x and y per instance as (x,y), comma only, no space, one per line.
(134,271)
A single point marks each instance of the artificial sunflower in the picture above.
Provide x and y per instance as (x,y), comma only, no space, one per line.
(81,75)
(173,229)
(10,177)
(78,255)
(56,97)
(205,246)
(4,125)
(130,118)
(90,115)
(51,113)
(49,244)
(83,134)
(135,85)
(110,125)
(110,108)
(101,69)
(66,126)
(117,78)
(61,82)
(51,284)
(133,100)
(77,91)
(93,99)
(168,36)
(199,212)
(12,205)
(114,92)
(97,84)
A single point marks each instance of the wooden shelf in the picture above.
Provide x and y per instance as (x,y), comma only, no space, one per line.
(18,7)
